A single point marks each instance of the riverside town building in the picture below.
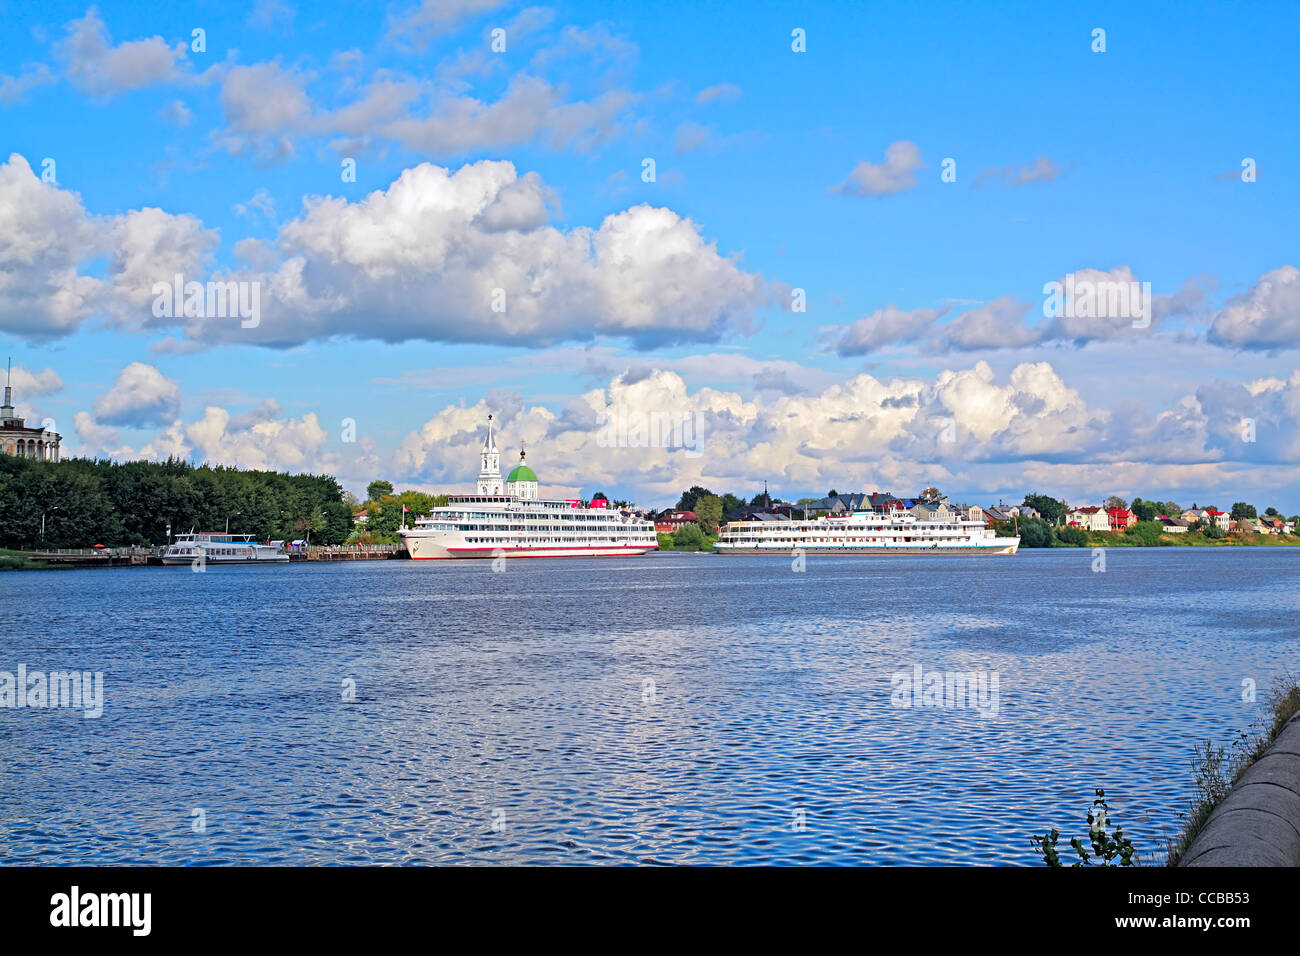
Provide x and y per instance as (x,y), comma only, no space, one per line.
(17,439)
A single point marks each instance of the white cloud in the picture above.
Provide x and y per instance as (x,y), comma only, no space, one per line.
(27,384)
(44,235)
(141,396)
(421,260)
(885,327)
(149,246)
(1265,317)
(995,325)
(895,175)
(97,67)
(1100,322)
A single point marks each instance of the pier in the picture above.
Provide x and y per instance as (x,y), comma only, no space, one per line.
(145,557)
(348,552)
(95,557)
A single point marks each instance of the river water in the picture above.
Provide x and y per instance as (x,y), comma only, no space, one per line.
(673,708)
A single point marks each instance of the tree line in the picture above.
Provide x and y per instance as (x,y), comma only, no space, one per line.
(98,501)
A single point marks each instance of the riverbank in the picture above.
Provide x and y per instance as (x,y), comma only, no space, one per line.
(11,560)
(1247,811)
(1117,539)
(19,561)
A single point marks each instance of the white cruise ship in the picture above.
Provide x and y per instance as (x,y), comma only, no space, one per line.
(508,519)
(864,532)
(217,548)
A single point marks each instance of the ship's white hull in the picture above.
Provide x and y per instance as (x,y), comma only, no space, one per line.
(787,549)
(441,548)
(227,559)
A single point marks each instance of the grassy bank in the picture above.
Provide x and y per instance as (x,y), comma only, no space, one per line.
(1217,771)
(18,561)
(1219,768)
(1117,539)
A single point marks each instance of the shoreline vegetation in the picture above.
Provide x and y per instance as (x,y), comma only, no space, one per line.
(80,503)
(1217,771)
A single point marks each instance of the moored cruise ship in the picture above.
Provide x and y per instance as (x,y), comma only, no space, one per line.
(865,532)
(217,548)
(508,519)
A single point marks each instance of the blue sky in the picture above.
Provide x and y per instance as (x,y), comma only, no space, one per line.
(775,170)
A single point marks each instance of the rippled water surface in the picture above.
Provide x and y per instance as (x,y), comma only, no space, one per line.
(674,708)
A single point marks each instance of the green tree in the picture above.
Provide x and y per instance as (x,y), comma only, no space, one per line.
(1035,533)
(931,493)
(690,537)
(708,513)
(378,490)
(687,501)
(1145,510)
(1146,533)
(730,503)
(1051,510)
(1242,510)
(1072,537)
(1116,502)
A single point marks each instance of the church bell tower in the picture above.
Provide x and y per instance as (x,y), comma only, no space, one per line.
(489,476)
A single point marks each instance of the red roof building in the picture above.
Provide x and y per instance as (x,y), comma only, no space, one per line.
(671,521)
(1121,518)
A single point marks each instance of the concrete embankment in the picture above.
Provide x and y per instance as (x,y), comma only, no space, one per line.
(1258,822)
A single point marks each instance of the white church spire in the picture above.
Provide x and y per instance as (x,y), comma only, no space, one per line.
(489,477)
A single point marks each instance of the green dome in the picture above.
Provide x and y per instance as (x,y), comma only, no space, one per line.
(521,473)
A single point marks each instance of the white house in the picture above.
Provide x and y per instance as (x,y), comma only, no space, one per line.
(1089,518)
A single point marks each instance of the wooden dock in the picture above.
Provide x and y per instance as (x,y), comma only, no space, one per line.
(348,552)
(96,557)
(142,557)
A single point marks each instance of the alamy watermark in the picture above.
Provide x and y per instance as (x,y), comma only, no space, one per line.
(1098,299)
(82,690)
(622,427)
(950,690)
(211,300)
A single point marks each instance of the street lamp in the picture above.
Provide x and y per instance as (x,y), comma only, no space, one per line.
(43,513)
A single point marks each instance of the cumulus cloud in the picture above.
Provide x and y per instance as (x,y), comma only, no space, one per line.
(27,384)
(94,65)
(47,237)
(97,440)
(265,105)
(1105,306)
(998,324)
(464,256)
(44,235)
(259,439)
(895,175)
(1265,317)
(141,396)
(883,327)
(968,428)
(149,246)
